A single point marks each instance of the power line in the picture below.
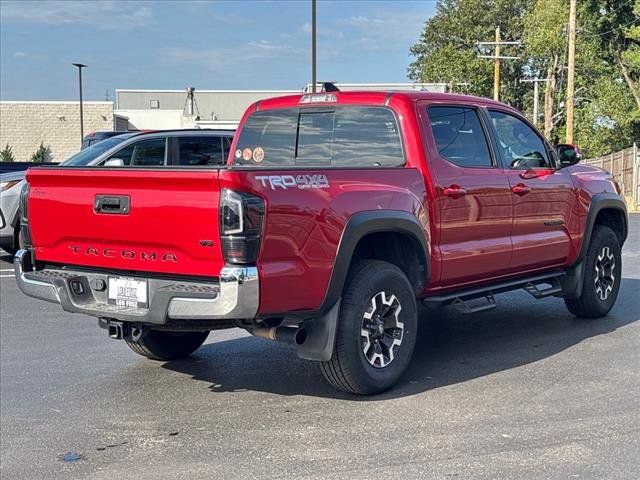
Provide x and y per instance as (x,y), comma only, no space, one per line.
(592,34)
(496,57)
(535,82)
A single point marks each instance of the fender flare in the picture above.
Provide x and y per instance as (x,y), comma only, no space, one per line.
(573,281)
(358,226)
(599,202)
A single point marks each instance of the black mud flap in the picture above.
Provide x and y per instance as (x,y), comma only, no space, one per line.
(321,336)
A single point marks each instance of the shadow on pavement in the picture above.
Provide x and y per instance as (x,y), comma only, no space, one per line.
(451,348)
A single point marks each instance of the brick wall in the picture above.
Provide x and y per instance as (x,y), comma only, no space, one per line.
(23,125)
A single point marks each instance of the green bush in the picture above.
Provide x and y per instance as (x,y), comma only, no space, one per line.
(43,154)
(6,155)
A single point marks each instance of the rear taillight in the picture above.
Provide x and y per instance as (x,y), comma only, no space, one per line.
(241,218)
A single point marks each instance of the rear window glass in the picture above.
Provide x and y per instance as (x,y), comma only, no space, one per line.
(340,137)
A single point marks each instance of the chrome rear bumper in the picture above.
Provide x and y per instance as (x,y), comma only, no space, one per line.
(235,296)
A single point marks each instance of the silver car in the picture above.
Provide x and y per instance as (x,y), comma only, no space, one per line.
(10,186)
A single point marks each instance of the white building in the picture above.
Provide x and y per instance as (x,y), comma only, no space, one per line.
(26,124)
(217,109)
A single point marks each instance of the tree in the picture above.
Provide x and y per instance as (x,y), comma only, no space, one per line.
(630,57)
(447,53)
(6,155)
(545,46)
(607,95)
(43,154)
(607,78)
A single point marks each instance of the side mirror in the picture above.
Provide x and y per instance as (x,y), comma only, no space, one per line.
(114,162)
(568,154)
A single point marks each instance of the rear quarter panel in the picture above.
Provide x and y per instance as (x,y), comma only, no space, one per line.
(303,227)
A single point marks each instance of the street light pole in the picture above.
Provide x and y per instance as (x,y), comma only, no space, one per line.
(80,67)
(571,64)
(313,46)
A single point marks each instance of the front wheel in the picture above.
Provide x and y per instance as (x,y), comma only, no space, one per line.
(161,345)
(376,330)
(602,275)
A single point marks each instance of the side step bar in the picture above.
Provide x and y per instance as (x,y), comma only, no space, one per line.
(482,298)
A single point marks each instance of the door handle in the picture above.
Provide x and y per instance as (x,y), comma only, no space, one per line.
(454,191)
(112,204)
(521,189)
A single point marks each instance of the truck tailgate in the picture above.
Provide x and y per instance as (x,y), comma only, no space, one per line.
(80,216)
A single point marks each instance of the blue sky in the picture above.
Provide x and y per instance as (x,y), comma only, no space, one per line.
(208,45)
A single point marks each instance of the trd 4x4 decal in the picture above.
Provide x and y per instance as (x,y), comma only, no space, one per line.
(297,181)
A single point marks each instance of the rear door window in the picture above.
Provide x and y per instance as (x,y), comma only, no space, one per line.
(459,136)
(351,136)
(200,151)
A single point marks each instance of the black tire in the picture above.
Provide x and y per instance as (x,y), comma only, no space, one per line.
(160,345)
(350,368)
(598,295)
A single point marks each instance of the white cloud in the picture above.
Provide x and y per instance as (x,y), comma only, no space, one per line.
(384,29)
(19,54)
(100,14)
(237,58)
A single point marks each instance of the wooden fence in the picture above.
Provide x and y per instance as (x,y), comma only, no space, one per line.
(625,167)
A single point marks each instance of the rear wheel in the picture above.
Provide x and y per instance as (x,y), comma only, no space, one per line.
(376,330)
(602,269)
(161,345)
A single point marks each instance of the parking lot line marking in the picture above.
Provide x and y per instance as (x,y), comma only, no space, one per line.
(6,269)
(6,276)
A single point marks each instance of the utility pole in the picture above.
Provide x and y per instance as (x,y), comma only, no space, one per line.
(536,91)
(571,65)
(496,68)
(80,67)
(313,46)
(496,57)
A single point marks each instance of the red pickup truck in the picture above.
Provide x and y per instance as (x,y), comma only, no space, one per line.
(336,213)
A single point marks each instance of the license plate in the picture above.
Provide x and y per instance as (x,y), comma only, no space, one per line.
(128,292)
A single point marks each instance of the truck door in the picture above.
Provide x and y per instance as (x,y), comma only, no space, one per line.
(542,195)
(472,194)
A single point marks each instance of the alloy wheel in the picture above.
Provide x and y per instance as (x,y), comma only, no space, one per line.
(604,278)
(382,330)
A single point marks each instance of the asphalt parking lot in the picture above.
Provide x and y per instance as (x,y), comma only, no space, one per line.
(523,391)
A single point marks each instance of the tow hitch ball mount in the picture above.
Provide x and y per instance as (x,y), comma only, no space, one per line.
(122,330)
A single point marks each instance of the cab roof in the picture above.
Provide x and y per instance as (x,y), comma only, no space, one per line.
(372,97)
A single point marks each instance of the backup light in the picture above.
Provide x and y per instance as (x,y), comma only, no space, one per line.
(319,98)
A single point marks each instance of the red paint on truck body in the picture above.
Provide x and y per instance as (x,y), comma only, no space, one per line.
(487,233)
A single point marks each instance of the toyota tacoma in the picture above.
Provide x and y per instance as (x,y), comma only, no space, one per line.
(336,214)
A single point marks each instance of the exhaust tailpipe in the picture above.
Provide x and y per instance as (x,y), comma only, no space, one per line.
(291,335)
